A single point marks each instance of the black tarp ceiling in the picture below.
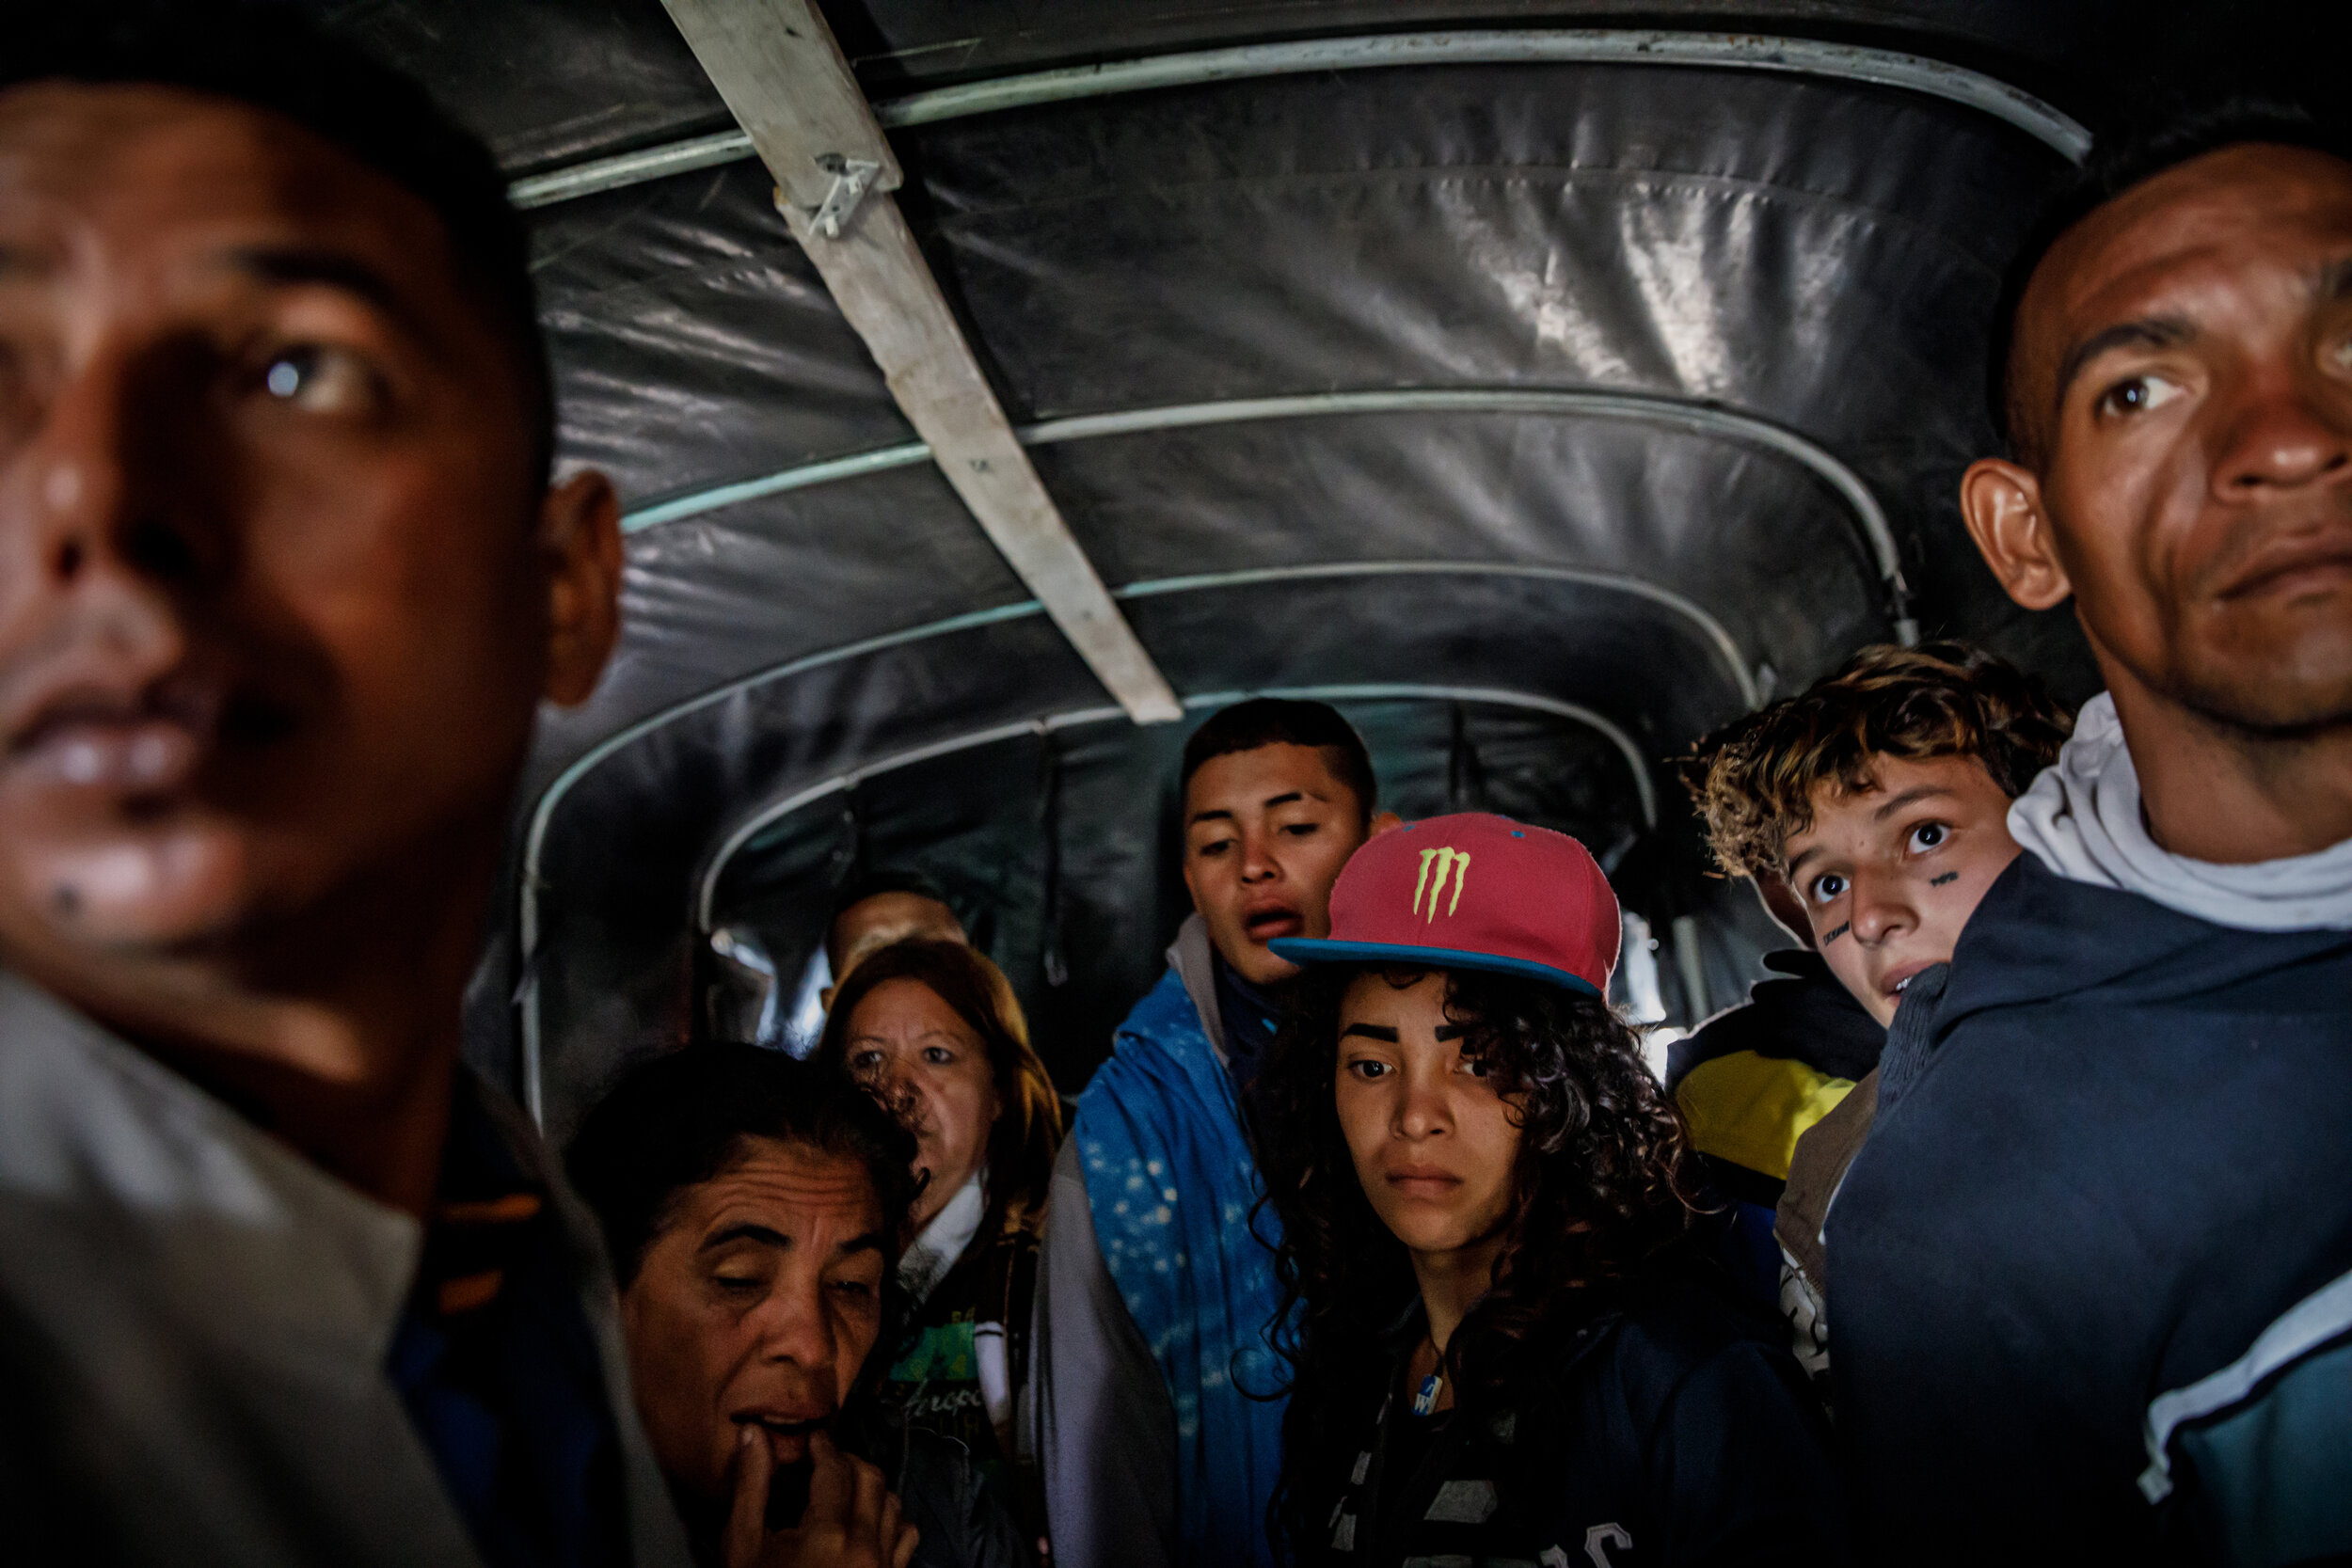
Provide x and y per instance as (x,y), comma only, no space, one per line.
(1509,598)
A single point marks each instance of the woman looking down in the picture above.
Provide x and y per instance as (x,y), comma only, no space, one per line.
(1507,1339)
(753,1206)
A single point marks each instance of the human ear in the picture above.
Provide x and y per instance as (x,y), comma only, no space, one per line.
(579,541)
(2002,505)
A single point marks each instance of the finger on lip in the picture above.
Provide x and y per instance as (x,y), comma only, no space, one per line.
(792,1425)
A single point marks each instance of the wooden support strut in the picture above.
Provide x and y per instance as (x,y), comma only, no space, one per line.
(776,65)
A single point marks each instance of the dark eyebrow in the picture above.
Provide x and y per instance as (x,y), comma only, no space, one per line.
(2148,332)
(19,261)
(294,266)
(1214,812)
(1909,796)
(1370,1032)
(746,1232)
(769,1236)
(1274,800)
(1452,1031)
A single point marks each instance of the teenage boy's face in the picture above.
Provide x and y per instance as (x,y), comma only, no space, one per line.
(280,591)
(2185,373)
(1434,1147)
(1266,834)
(1889,876)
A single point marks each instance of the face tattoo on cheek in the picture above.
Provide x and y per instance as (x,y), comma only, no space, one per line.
(1835,935)
(1948,877)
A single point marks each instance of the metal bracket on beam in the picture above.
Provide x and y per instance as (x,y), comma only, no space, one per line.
(852,178)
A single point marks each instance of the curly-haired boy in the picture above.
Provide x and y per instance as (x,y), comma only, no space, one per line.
(1878,800)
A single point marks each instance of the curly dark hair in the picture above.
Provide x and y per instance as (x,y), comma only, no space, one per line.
(1754,780)
(1602,1189)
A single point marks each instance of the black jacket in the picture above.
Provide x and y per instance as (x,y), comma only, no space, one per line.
(1673,1431)
(963,1519)
(2114,1150)
(1808,1018)
(933,1381)
(1807,1014)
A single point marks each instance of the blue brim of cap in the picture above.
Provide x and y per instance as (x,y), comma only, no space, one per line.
(1317,950)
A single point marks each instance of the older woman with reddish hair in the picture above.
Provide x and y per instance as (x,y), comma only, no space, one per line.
(932,1029)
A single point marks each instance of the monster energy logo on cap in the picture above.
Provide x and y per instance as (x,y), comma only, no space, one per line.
(1448,859)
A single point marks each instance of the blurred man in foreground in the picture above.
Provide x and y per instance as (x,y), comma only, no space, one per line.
(2095,1264)
(282,584)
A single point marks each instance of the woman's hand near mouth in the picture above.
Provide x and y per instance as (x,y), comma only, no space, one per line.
(787,1436)
(853,1519)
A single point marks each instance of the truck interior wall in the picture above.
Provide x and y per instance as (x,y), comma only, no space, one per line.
(1815,256)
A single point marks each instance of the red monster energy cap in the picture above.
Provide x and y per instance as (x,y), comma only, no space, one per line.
(1474,890)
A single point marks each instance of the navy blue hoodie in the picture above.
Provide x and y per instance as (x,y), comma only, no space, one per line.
(2125,1152)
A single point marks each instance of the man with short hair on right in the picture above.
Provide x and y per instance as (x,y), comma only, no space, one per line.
(1154,1292)
(2095,1264)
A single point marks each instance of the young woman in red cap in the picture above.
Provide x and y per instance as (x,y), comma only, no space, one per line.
(1508,1339)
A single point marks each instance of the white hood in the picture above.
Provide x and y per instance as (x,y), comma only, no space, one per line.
(2082,818)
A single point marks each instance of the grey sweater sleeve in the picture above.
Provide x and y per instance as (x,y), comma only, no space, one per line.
(1099,1420)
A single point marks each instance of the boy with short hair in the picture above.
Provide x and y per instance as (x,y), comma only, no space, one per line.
(1878,798)
(1150,1364)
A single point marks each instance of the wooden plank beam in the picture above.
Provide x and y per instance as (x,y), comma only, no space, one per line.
(777,67)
